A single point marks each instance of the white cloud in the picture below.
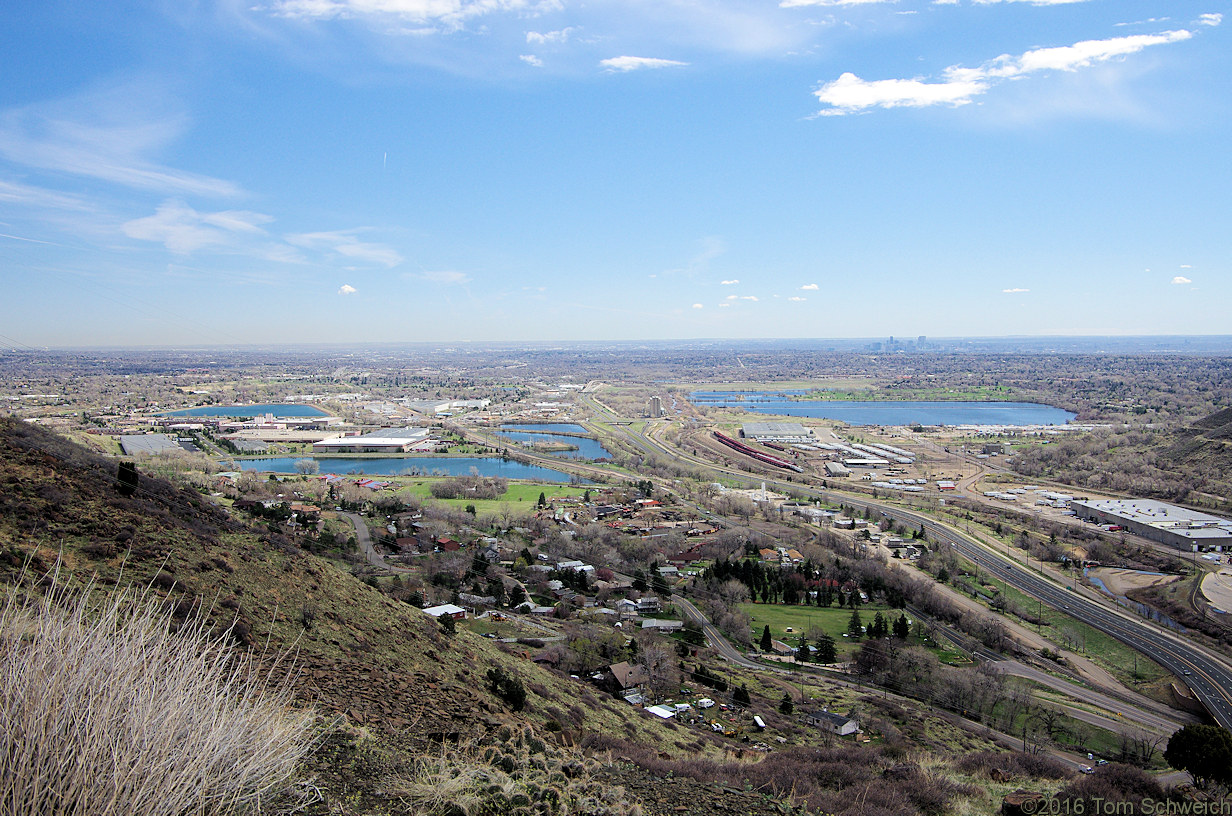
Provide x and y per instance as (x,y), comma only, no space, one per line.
(626,64)
(728,283)
(749,297)
(183,230)
(698,306)
(802,3)
(733,297)
(108,135)
(1181,279)
(449,14)
(1212,19)
(1014,291)
(531,59)
(347,289)
(959,86)
(1032,2)
(810,287)
(724,305)
(449,276)
(28,196)
(1186,266)
(797,299)
(550,37)
(346,244)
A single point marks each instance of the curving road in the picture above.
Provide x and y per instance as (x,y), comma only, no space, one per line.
(364,539)
(1208,677)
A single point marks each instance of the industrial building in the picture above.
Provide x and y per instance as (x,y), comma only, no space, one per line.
(1168,524)
(790,432)
(388,440)
(149,444)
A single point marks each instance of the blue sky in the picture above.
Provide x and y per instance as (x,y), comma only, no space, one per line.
(270,171)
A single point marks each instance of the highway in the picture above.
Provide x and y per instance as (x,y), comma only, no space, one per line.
(1209,678)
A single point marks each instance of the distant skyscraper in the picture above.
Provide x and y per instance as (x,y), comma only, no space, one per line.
(656,407)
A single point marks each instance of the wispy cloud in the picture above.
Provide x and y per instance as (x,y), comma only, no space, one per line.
(621,65)
(183,230)
(447,14)
(1211,19)
(1032,2)
(549,37)
(797,299)
(698,306)
(110,135)
(959,86)
(801,4)
(708,248)
(449,276)
(347,244)
(1181,279)
(810,287)
(28,196)
(728,282)
(347,289)
(531,59)
(1015,291)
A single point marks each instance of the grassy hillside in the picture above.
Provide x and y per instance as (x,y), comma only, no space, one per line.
(407,721)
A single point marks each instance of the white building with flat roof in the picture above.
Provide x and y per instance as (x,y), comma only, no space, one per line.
(1169,524)
(388,440)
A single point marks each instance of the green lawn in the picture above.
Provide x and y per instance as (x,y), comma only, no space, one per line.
(802,618)
(521,497)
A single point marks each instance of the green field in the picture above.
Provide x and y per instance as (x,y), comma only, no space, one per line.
(521,497)
(833,620)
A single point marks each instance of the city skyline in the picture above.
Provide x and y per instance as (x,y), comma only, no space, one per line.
(449,170)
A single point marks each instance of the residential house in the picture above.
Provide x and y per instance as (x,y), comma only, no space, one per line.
(621,678)
(453,611)
(834,723)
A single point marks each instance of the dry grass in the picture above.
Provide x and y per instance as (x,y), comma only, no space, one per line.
(512,773)
(104,709)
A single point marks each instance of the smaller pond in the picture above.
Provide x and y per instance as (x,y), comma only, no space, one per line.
(407,466)
(531,433)
(1142,609)
(249,411)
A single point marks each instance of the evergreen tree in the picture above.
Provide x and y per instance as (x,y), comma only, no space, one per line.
(786,706)
(902,628)
(854,627)
(879,628)
(741,696)
(802,652)
(826,652)
(128,478)
(543,499)
(766,641)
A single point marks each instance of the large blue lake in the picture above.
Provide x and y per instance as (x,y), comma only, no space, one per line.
(408,466)
(586,448)
(888,412)
(249,411)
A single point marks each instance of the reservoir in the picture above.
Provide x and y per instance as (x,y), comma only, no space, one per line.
(543,432)
(407,466)
(249,411)
(887,412)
